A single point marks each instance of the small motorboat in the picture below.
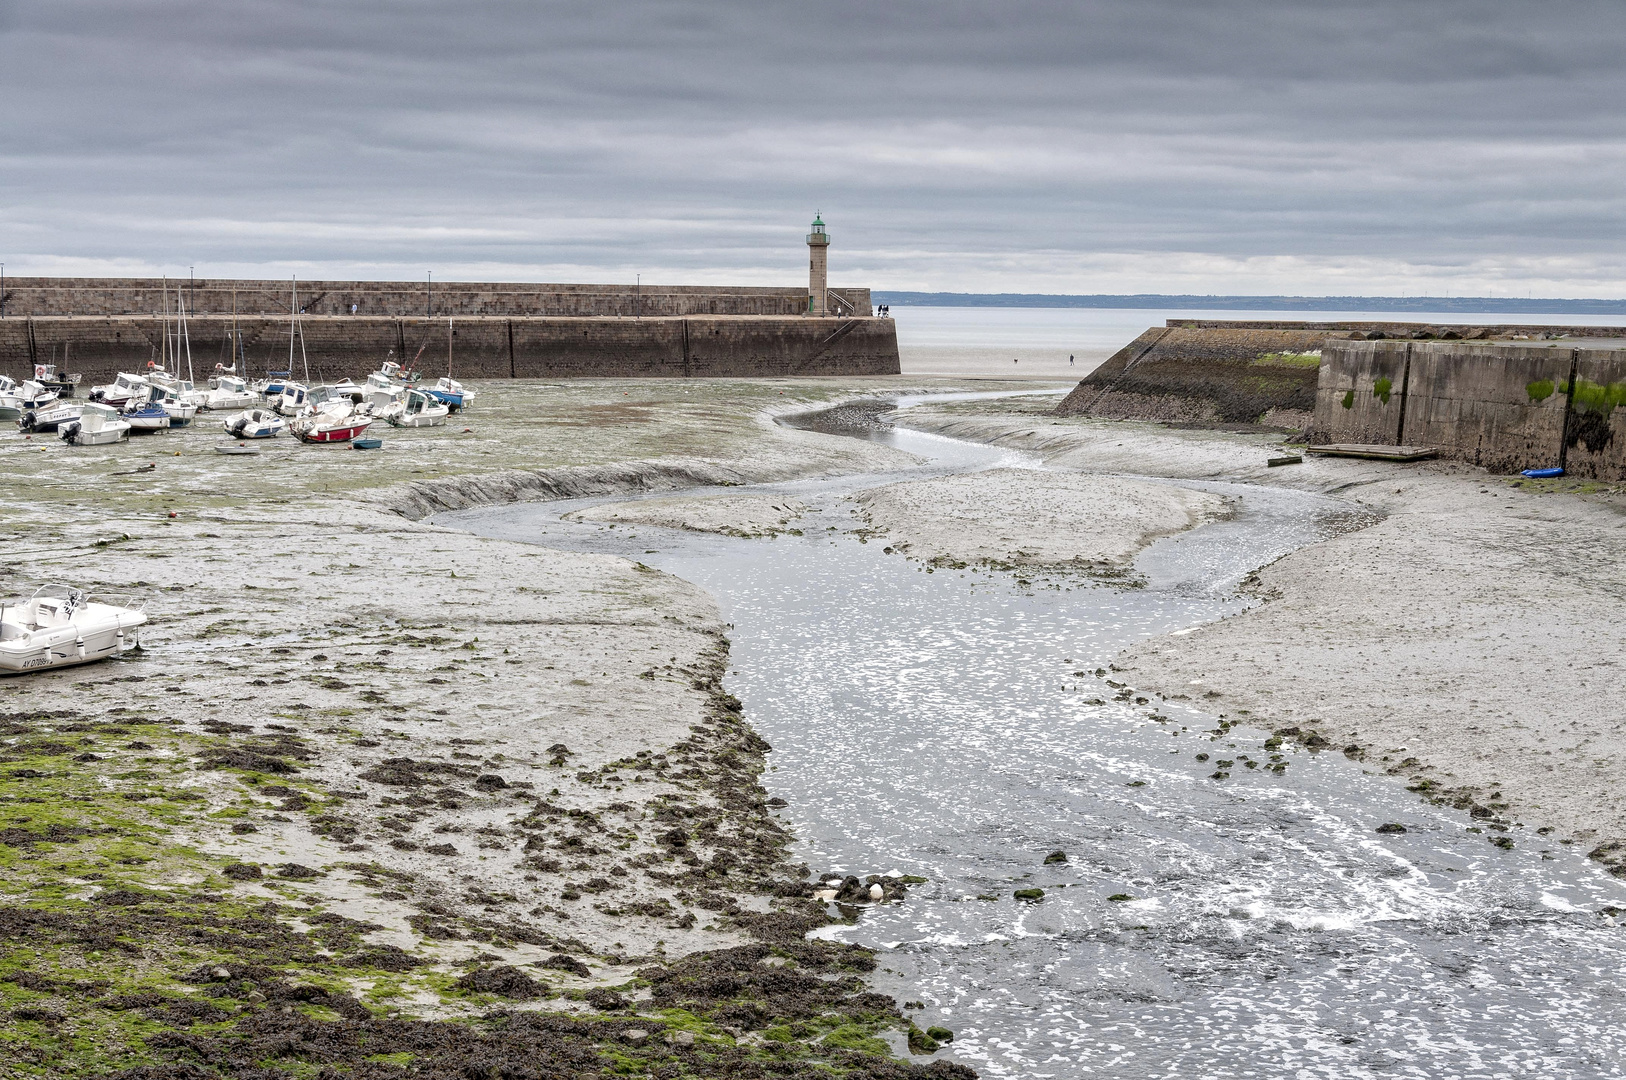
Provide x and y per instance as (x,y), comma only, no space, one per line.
(11,405)
(384,385)
(146,417)
(451,393)
(49,419)
(36,395)
(59,626)
(292,401)
(229,393)
(124,389)
(48,376)
(239,450)
(329,426)
(415,408)
(255,424)
(371,442)
(98,425)
(169,398)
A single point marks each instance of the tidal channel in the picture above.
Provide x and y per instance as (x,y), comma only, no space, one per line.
(951,725)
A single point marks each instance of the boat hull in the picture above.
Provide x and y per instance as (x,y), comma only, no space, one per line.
(339,434)
(100,632)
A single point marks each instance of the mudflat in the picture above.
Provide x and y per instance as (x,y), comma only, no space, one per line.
(1467,642)
(375,786)
(1029,517)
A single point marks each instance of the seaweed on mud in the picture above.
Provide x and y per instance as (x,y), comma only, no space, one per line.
(409,772)
(503,980)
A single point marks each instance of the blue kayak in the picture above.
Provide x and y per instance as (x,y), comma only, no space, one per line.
(1543,474)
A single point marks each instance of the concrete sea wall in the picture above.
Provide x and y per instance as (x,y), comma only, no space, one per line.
(1505,407)
(402,299)
(345,346)
(1214,373)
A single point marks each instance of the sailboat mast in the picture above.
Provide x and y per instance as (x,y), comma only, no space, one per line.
(186,336)
(293,323)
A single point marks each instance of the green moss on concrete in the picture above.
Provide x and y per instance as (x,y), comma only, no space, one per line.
(1349,399)
(1382,388)
(1539,390)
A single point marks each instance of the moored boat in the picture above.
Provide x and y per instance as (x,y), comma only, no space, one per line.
(415,408)
(124,388)
(59,626)
(451,393)
(229,393)
(329,426)
(49,419)
(98,425)
(255,424)
(145,417)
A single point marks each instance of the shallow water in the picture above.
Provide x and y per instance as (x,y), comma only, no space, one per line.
(948,725)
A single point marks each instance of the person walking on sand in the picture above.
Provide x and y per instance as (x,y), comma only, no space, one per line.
(1069,359)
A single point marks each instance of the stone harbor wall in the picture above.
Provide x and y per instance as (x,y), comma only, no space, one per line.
(401,299)
(1505,407)
(476,347)
(1209,374)
(1492,394)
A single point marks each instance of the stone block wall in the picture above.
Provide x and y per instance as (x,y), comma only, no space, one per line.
(337,347)
(1504,407)
(399,299)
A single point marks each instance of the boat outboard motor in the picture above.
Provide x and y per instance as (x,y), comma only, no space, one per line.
(28,422)
(68,431)
(97,395)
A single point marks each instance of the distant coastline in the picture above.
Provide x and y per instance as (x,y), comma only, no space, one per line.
(1469,304)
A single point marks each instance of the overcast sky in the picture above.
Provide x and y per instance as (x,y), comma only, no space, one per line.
(1135,146)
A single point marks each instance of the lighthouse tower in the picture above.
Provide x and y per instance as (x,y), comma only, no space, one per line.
(818,256)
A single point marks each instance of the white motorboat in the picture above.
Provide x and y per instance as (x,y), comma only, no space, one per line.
(124,389)
(255,424)
(415,408)
(98,425)
(168,398)
(229,393)
(11,405)
(59,626)
(384,385)
(53,417)
(36,395)
(334,424)
(293,399)
(451,393)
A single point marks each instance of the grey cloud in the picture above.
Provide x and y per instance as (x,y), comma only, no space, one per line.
(695,137)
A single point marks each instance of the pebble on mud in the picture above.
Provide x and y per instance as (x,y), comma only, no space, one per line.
(1057,856)
(1029,894)
(1391,827)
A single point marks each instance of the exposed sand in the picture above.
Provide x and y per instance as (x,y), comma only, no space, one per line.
(1028,517)
(1470,639)
(729,515)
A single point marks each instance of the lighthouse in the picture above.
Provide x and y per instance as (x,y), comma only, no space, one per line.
(818,264)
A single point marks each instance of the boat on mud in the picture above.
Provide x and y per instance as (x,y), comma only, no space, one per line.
(146,417)
(125,388)
(50,419)
(329,427)
(60,626)
(451,393)
(171,399)
(254,424)
(98,425)
(414,408)
(229,393)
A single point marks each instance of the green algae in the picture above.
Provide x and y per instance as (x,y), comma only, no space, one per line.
(1382,388)
(1349,399)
